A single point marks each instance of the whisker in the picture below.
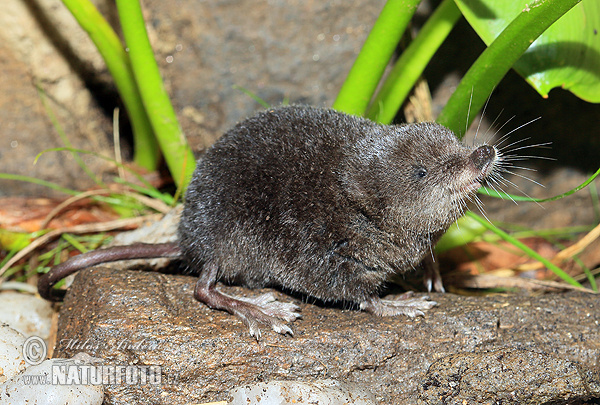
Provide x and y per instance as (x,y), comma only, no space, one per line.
(510,158)
(508,195)
(496,119)
(488,136)
(518,188)
(524,177)
(504,181)
(481,117)
(469,111)
(482,210)
(524,125)
(545,145)
(514,143)
(503,137)
(523,168)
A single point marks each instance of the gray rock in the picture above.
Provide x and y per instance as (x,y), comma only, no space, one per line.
(147,318)
(508,376)
(278,50)
(42,45)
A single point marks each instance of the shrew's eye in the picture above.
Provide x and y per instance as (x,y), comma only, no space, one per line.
(420,172)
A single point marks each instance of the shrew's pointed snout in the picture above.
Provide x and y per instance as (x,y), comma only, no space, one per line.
(482,157)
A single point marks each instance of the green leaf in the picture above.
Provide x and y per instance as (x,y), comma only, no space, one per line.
(566,55)
(369,66)
(109,46)
(411,64)
(11,240)
(497,59)
(463,231)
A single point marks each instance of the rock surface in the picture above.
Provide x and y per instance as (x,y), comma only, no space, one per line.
(508,376)
(147,318)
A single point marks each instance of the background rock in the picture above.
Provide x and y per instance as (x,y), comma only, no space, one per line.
(42,46)
(279,50)
(147,318)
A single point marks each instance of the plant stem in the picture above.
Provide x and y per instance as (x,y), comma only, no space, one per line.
(497,59)
(412,62)
(530,252)
(369,66)
(163,119)
(108,44)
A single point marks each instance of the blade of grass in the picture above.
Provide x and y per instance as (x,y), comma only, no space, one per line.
(98,155)
(74,242)
(497,59)
(252,95)
(65,139)
(530,252)
(146,153)
(409,67)
(163,119)
(150,192)
(595,200)
(147,189)
(369,66)
(33,180)
(83,228)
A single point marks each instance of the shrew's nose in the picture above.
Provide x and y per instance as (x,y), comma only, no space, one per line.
(483,156)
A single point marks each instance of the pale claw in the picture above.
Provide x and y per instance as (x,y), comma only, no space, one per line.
(432,277)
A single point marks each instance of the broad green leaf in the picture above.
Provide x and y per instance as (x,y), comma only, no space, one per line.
(463,231)
(567,55)
(10,240)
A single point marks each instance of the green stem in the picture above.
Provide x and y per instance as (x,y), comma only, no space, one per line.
(369,66)
(110,48)
(412,62)
(530,252)
(497,59)
(163,119)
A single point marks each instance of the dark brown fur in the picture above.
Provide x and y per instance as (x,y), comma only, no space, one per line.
(324,204)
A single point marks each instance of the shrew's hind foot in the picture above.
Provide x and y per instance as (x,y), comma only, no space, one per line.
(274,313)
(404,304)
(264,309)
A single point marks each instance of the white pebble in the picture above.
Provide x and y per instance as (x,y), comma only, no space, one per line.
(36,387)
(28,314)
(11,356)
(325,392)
